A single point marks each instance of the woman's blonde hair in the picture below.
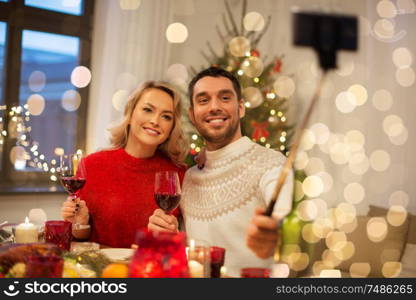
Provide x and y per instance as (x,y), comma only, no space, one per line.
(175,146)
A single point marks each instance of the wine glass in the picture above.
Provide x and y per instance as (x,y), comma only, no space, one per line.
(72,175)
(167,190)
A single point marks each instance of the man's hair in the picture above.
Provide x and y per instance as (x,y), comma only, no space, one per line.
(214,72)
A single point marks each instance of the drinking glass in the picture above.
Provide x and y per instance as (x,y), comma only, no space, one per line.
(59,233)
(217,260)
(72,173)
(38,266)
(199,259)
(255,273)
(167,190)
(159,255)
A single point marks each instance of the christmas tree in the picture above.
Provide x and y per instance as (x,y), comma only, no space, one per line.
(265,89)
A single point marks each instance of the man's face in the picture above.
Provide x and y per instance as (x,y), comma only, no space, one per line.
(216,111)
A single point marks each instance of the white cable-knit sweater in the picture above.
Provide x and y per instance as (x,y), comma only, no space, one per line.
(218,201)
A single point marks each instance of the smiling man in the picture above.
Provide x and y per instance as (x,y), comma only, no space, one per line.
(223,202)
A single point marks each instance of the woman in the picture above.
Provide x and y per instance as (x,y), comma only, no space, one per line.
(118,197)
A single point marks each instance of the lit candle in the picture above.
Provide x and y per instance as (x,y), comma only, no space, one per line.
(196,270)
(26,232)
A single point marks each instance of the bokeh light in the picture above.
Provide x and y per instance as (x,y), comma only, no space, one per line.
(380,160)
(354,193)
(391,269)
(80,76)
(36,104)
(326,180)
(284,86)
(386,9)
(322,227)
(130,4)
(321,132)
(37,81)
(253,96)
(176,33)
(402,57)
(355,139)
(360,270)
(252,66)
(307,141)
(336,240)
(393,125)
(401,139)
(406,6)
(340,153)
(313,186)
(177,74)
(399,198)
(382,100)
(345,102)
(71,100)
(307,210)
(345,213)
(360,94)
(253,21)
(302,160)
(396,215)
(377,229)
(384,28)
(405,77)
(239,46)
(308,234)
(120,99)
(346,251)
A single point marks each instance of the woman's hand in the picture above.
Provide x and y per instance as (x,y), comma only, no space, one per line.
(160,221)
(262,234)
(75,211)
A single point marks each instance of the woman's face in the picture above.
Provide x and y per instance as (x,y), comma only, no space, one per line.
(152,120)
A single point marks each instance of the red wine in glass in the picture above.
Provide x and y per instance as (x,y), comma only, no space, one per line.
(72,184)
(167,202)
(73,173)
(167,190)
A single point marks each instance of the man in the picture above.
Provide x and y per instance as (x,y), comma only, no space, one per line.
(223,203)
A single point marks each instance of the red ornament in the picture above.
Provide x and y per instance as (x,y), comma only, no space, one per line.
(277,66)
(255,53)
(193,152)
(260,130)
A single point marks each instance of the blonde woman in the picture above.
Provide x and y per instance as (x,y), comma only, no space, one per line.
(118,196)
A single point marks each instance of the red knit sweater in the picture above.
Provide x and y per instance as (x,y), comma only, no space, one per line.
(119,193)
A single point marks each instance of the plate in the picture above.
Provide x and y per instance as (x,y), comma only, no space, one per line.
(118,254)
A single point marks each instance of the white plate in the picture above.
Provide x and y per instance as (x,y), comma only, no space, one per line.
(116,254)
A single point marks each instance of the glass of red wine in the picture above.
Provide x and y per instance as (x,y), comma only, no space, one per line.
(72,174)
(167,190)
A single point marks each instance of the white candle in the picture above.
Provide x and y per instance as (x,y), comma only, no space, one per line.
(196,270)
(26,232)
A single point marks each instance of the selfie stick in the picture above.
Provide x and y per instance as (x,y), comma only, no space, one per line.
(326,34)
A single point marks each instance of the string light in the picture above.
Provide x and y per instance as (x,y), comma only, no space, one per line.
(19,116)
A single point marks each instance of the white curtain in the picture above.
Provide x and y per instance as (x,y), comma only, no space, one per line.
(129,47)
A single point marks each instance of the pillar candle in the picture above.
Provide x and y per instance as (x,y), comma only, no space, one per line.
(26,233)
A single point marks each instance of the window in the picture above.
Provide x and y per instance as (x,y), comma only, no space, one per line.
(73,7)
(2,106)
(45,50)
